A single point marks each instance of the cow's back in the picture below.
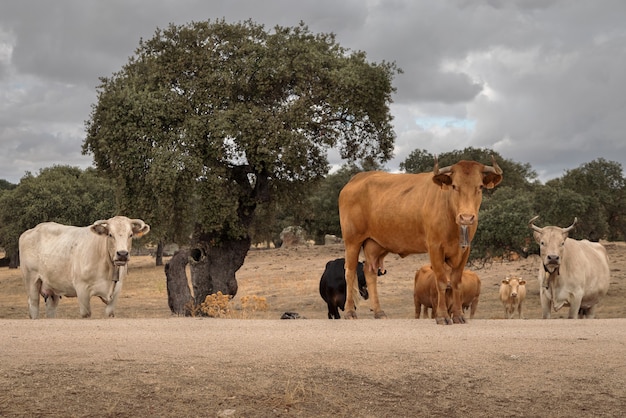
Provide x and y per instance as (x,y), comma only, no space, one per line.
(389,209)
(51,252)
(586,264)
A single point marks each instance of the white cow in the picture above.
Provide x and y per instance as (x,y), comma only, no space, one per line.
(60,260)
(574,273)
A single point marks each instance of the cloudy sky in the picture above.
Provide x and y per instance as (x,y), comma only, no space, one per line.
(540,81)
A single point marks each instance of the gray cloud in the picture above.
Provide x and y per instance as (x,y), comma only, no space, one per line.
(539,81)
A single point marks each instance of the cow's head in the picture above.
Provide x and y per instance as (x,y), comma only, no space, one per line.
(467,179)
(119,232)
(551,240)
(514,283)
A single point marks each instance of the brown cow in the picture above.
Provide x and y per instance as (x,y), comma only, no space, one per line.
(512,295)
(407,214)
(425,292)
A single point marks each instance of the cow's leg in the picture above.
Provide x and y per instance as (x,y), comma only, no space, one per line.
(83,302)
(116,288)
(591,312)
(519,310)
(52,302)
(440,308)
(33,298)
(374,260)
(352,284)
(456,310)
(546,303)
(473,307)
(371,278)
(574,306)
(333,310)
(110,309)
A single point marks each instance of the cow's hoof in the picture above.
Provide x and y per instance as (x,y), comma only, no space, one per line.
(380,315)
(459,319)
(350,315)
(443,321)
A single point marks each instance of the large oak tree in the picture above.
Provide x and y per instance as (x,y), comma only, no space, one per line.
(209,119)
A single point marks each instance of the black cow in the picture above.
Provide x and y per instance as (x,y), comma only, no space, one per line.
(333,286)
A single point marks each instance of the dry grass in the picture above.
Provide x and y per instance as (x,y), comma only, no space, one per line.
(275,281)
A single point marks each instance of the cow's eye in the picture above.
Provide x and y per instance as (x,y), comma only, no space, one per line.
(454,187)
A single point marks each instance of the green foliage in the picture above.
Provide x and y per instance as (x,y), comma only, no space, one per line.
(210,119)
(603,186)
(5,185)
(595,193)
(557,205)
(63,194)
(503,224)
(516,175)
(323,204)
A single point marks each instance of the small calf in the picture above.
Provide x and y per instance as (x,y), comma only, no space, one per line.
(425,292)
(512,295)
(333,286)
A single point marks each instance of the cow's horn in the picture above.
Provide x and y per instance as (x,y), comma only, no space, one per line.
(495,169)
(533,226)
(444,170)
(569,228)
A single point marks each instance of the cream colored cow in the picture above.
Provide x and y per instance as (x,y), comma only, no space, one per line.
(60,260)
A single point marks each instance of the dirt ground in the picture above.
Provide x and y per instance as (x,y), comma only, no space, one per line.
(253,364)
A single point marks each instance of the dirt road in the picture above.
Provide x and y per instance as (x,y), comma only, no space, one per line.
(311,367)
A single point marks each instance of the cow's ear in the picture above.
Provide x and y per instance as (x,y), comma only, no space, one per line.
(99,228)
(139,228)
(442,180)
(522,282)
(491,180)
(505,281)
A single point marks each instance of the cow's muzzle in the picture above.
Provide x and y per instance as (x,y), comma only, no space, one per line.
(466,219)
(121,258)
(551,265)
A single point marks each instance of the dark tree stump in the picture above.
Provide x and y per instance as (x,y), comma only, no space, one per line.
(212,270)
(178,293)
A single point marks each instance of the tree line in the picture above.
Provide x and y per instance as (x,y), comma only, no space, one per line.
(595,193)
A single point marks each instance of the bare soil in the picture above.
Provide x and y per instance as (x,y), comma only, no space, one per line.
(250,363)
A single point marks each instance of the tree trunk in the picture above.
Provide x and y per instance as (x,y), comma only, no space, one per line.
(159,254)
(212,270)
(213,267)
(178,293)
(15,259)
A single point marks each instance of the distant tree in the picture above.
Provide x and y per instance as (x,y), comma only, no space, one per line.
(558,205)
(502,225)
(62,194)
(602,183)
(516,175)
(324,204)
(210,119)
(5,185)
(418,161)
